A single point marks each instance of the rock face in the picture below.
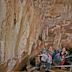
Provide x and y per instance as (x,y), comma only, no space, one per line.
(25,25)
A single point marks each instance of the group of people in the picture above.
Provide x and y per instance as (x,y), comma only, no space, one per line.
(52,56)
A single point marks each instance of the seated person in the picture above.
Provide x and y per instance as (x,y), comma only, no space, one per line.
(49,61)
(51,50)
(57,59)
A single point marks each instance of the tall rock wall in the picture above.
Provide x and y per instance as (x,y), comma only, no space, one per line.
(24,22)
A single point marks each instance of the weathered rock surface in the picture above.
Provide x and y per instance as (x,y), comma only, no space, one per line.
(25,25)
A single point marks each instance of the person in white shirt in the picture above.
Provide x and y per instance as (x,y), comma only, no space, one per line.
(44,57)
(46,60)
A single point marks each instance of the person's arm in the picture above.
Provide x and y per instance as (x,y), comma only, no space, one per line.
(40,55)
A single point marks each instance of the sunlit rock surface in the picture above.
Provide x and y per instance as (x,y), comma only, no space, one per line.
(25,25)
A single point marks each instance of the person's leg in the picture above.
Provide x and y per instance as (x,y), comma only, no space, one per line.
(48,66)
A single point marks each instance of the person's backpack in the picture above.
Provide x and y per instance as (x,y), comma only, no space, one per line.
(55,53)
